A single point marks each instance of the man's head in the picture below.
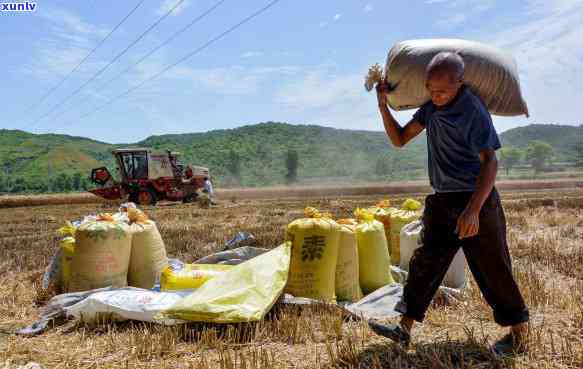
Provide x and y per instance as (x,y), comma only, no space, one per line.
(444,77)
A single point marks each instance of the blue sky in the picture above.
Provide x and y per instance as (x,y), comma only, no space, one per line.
(301,62)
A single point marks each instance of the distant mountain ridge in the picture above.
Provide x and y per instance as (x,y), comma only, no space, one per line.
(261,149)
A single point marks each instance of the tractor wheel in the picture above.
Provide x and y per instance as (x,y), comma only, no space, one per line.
(133,197)
(147,197)
(188,198)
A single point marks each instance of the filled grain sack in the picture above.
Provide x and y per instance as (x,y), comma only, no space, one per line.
(347,278)
(67,245)
(409,211)
(102,254)
(148,256)
(314,255)
(411,240)
(67,251)
(382,212)
(374,261)
(178,276)
(490,72)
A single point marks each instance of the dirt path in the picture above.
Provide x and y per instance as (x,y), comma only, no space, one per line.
(395,188)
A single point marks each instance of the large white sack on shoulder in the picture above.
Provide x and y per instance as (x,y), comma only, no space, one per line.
(411,240)
(490,72)
(127,303)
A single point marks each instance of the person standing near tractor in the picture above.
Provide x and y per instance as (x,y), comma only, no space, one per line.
(464,210)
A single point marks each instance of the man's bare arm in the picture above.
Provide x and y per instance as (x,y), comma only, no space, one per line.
(398,135)
(469,221)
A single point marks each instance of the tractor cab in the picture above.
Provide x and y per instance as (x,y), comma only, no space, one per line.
(133,164)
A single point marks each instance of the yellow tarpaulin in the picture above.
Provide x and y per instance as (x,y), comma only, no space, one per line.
(243,294)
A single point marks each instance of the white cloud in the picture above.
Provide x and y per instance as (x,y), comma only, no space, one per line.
(457,12)
(65,21)
(452,21)
(166,5)
(550,59)
(70,39)
(321,96)
(337,17)
(323,24)
(251,54)
(368,8)
(233,80)
(319,88)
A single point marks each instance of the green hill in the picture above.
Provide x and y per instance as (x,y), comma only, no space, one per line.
(37,163)
(564,139)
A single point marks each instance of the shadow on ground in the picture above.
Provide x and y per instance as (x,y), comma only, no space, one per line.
(439,355)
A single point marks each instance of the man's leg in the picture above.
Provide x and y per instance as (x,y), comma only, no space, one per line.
(428,266)
(430,262)
(489,260)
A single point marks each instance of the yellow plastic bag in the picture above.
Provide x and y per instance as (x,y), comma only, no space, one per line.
(373,254)
(148,256)
(243,294)
(382,212)
(190,276)
(409,212)
(314,256)
(102,254)
(68,249)
(347,278)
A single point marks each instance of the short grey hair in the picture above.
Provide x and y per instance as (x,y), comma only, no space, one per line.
(447,62)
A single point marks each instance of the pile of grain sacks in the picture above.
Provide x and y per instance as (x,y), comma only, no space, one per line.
(118,250)
(347,258)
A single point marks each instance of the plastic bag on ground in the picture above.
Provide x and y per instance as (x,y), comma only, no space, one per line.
(373,254)
(241,239)
(490,72)
(232,257)
(380,304)
(314,256)
(123,304)
(411,240)
(244,294)
(55,310)
(179,276)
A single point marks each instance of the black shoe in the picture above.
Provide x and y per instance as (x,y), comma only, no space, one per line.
(392,332)
(509,345)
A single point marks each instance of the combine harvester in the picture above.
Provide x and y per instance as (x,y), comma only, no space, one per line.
(146,178)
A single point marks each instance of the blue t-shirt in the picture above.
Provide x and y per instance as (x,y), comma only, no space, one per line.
(456,133)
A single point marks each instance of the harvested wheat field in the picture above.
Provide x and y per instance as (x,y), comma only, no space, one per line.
(545,232)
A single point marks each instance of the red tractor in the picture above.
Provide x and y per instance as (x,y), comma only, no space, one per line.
(147,178)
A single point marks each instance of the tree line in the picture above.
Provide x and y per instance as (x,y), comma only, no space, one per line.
(538,155)
(62,182)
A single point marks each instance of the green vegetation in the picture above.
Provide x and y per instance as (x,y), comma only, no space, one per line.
(538,153)
(292,163)
(509,157)
(270,154)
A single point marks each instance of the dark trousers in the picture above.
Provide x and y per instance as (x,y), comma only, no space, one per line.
(487,255)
